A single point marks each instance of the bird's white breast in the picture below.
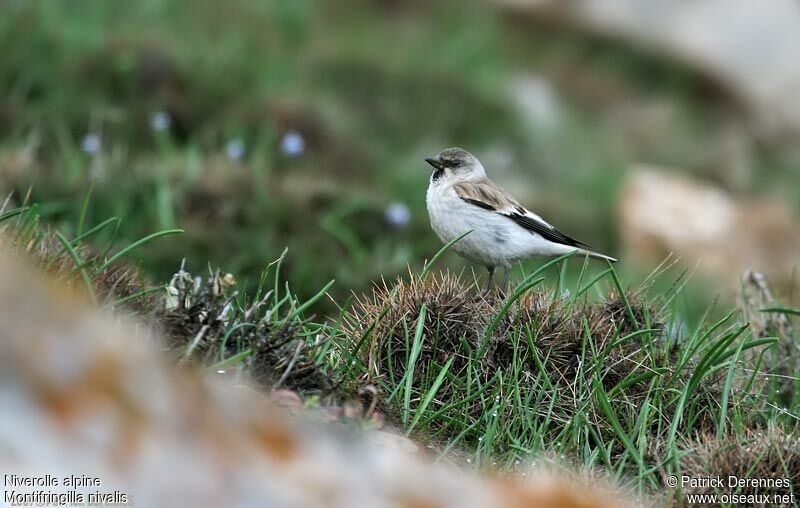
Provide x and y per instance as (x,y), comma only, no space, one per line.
(494,240)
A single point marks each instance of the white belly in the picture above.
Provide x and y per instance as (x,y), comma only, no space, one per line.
(494,240)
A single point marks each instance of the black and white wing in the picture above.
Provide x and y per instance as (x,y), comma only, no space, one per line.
(487,195)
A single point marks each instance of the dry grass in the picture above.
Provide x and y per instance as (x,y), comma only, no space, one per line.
(208,322)
(544,336)
(758,455)
(117,282)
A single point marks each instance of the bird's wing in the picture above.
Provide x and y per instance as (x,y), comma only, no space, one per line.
(490,196)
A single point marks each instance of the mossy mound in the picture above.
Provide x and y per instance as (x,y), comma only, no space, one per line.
(548,339)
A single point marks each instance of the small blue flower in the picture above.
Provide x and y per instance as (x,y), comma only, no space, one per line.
(235,149)
(293,144)
(160,121)
(397,215)
(91,143)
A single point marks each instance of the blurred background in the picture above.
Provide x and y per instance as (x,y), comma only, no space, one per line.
(643,128)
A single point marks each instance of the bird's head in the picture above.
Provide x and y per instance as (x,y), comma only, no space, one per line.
(455,165)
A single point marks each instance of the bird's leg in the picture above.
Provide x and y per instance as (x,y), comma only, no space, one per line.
(505,281)
(489,280)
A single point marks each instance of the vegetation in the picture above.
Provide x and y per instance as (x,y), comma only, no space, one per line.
(314,139)
(610,383)
(278,145)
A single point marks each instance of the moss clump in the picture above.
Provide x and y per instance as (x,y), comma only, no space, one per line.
(542,335)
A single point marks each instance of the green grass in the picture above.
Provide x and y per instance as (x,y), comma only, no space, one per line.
(373,89)
(636,427)
(371,93)
(107,72)
(85,260)
(498,393)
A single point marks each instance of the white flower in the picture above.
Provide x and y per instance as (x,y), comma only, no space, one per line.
(91,143)
(235,149)
(397,214)
(293,144)
(160,121)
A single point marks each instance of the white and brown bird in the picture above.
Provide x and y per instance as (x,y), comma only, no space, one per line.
(462,199)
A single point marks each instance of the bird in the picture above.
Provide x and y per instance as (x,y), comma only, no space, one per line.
(499,231)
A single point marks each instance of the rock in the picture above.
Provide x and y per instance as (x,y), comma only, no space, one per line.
(749,48)
(661,212)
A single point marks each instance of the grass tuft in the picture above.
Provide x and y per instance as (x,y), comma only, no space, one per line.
(78,263)
(209,323)
(610,381)
(766,455)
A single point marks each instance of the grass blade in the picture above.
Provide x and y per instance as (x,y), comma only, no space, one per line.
(427,268)
(622,295)
(230,361)
(782,310)
(602,399)
(408,377)
(136,245)
(13,213)
(85,207)
(79,265)
(311,301)
(432,391)
(94,230)
(138,294)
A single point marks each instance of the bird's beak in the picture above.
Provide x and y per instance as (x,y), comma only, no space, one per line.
(434,162)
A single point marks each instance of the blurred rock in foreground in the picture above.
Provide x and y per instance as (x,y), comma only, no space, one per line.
(661,213)
(90,401)
(749,48)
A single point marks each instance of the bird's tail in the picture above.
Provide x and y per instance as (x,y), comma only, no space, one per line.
(595,255)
